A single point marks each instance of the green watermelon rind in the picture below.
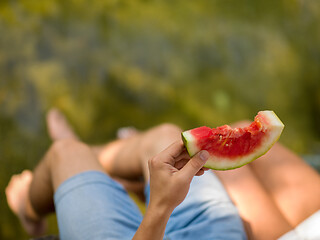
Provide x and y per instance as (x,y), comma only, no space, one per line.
(248,159)
(185,142)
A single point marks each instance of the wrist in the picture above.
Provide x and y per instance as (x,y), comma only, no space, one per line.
(159,207)
(153,224)
(162,212)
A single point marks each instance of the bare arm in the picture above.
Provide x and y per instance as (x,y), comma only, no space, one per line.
(153,224)
(171,172)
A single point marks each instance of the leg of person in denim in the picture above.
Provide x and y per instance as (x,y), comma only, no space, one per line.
(274,193)
(89,204)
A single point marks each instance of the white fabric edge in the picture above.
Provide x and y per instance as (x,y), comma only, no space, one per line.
(309,229)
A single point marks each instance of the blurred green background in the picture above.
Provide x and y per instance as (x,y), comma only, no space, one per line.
(112,63)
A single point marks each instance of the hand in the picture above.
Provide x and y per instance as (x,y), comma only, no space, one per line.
(171,172)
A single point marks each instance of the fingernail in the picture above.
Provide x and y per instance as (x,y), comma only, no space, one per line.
(204,155)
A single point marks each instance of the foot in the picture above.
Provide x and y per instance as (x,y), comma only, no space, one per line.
(58,126)
(18,200)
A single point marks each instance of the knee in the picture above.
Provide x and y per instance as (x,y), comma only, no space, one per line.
(166,130)
(63,149)
(166,133)
(159,137)
(61,146)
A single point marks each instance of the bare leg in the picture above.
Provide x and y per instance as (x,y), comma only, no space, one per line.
(64,159)
(294,185)
(283,177)
(58,126)
(121,158)
(17,193)
(254,204)
(127,158)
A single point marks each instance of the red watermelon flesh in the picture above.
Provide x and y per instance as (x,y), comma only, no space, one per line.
(231,148)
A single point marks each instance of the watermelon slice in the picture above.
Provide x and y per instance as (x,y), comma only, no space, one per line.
(231,148)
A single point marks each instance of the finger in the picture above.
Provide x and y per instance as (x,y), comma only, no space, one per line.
(182,159)
(176,149)
(180,164)
(171,153)
(195,164)
(183,155)
(200,172)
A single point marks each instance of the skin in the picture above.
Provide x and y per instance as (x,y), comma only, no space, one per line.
(279,186)
(168,188)
(284,195)
(68,156)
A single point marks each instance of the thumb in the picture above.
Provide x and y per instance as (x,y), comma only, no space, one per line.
(195,164)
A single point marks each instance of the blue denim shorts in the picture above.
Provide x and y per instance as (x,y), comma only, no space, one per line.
(91,206)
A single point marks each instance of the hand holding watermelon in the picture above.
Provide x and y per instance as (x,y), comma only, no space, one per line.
(232,148)
(171,171)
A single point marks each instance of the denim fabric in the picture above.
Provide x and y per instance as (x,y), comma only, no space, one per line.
(206,213)
(91,205)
